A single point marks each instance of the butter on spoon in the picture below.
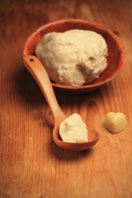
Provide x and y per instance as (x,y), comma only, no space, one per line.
(73,129)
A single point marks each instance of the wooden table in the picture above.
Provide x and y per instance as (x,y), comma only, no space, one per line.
(31,165)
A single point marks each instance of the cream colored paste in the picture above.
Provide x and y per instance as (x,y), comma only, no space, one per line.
(73,57)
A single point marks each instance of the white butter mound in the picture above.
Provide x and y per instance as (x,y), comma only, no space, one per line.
(73,57)
(115,122)
(73,129)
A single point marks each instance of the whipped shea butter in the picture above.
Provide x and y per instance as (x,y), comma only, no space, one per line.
(73,129)
(74,57)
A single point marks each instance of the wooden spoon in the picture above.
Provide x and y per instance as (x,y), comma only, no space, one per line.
(39,73)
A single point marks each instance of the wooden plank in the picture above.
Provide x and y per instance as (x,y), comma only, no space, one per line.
(31,165)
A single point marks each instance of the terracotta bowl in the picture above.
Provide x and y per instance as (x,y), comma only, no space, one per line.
(115,50)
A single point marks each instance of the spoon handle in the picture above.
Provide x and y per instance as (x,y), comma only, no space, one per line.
(39,73)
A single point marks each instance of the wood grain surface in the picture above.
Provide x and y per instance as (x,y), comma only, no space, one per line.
(31,165)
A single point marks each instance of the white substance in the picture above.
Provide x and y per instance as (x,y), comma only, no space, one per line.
(73,57)
(73,129)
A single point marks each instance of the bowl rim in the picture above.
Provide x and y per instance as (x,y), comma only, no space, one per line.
(91,23)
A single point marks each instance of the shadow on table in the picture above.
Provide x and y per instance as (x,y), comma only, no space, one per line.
(26,87)
(67,155)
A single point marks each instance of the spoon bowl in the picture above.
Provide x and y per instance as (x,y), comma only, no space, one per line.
(39,73)
(92,140)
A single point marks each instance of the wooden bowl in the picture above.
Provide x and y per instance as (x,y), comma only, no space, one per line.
(115,50)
